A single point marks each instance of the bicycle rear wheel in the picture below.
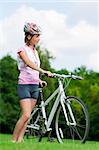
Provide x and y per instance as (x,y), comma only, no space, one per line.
(33,127)
(76,132)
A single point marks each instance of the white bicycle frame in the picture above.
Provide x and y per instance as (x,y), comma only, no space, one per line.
(59,99)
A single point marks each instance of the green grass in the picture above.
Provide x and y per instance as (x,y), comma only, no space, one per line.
(32,144)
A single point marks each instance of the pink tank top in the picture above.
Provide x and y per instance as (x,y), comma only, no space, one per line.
(28,75)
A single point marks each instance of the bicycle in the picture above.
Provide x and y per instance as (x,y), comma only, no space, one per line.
(72,119)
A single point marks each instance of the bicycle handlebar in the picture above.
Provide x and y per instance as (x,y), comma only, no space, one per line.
(67,76)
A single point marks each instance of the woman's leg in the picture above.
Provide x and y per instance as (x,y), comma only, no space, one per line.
(22,132)
(26,111)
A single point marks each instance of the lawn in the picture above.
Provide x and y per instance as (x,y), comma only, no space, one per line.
(33,144)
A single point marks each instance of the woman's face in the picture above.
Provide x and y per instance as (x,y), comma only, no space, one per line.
(35,39)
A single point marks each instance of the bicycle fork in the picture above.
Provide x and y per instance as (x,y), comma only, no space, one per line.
(62,100)
(72,122)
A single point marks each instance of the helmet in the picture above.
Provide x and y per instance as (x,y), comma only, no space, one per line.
(32,28)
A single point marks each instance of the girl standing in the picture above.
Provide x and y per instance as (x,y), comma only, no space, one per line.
(28,83)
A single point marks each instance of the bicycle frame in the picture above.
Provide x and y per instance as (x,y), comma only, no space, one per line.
(60,98)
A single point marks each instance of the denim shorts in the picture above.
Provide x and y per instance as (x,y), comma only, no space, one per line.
(28,91)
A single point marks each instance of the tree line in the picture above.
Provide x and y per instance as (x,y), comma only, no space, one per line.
(87,90)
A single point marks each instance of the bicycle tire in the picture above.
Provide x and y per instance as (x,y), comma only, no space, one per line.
(80,112)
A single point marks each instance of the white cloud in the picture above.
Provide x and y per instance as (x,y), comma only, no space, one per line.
(93,61)
(67,43)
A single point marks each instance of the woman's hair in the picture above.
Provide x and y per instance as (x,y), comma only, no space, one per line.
(27,38)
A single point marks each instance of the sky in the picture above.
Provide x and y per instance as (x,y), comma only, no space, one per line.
(70,30)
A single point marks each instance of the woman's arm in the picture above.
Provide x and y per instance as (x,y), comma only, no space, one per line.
(29,63)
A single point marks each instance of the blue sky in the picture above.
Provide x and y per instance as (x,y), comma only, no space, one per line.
(70,29)
(76,10)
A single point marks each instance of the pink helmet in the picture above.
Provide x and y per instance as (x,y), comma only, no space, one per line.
(32,28)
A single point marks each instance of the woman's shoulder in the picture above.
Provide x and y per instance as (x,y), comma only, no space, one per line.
(22,48)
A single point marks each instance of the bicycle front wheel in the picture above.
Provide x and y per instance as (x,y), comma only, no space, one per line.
(77,131)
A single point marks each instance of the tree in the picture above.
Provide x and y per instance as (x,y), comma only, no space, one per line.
(8,93)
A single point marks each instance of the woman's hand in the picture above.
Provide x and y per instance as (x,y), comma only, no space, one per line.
(48,73)
(42,83)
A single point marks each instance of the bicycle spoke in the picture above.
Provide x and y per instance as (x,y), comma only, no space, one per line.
(71,133)
(81,126)
(76,131)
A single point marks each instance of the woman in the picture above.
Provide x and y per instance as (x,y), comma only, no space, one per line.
(28,83)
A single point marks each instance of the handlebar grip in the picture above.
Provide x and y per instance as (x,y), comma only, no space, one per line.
(46,74)
(43,84)
(77,77)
